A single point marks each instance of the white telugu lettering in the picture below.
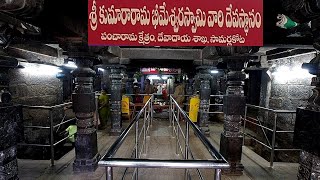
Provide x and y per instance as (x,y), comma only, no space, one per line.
(177,17)
(147,38)
(93,16)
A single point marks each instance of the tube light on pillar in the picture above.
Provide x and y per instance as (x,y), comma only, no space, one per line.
(214,71)
(40,69)
(71,65)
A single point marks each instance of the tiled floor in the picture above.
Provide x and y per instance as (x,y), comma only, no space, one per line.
(160,145)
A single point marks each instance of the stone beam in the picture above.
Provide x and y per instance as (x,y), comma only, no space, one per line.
(125,61)
(22,26)
(161,53)
(115,50)
(44,55)
(210,52)
(206,62)
(294,46)
(46,49)
(289,53)
(278,50)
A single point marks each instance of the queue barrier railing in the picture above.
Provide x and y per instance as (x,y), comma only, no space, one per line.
(109,161)
(51,128)
(214,104)
(217,162)
(257,122)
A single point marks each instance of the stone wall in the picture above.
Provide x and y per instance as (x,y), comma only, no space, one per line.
(288,92)
(290,86)
(36,89)
(287,87)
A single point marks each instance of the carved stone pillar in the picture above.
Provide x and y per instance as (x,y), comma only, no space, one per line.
(189,87)
(125,78)
(11,125)
(205,92)
(11,133)
(307,128)
(106,81)
(84,107)
(233,108)
(130,81)
(115,100)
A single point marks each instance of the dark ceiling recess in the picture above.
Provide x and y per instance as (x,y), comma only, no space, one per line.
(162,63)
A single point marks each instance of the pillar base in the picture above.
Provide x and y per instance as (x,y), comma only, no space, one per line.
(309,166)
(231,149)
(205,131)
(115,132)
(9,170)
(235,170)
(86,165)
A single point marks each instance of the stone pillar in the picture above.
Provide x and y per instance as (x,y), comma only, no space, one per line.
(11,132)
(307,128)
(105,80)
(84,107)
(115,100)
(189,87)
(233,108)
(124,82)
(11,125)
(205,92)
(130,81)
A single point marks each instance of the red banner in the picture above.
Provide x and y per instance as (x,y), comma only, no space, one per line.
(175,22)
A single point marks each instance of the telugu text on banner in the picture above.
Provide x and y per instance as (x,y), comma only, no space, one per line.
(175,23)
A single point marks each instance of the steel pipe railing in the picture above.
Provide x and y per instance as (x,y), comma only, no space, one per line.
(210,104)
(109,161)
(176,112)
(273,130)
(51,127)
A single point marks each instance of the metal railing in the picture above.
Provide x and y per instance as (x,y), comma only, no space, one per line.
(108,159)
(51,127)
(216,104)
(273,130)
(210,104)
(218,162)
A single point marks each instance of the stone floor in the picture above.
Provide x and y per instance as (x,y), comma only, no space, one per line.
(160,145)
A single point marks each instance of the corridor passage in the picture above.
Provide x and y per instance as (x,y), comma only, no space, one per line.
(161,145)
